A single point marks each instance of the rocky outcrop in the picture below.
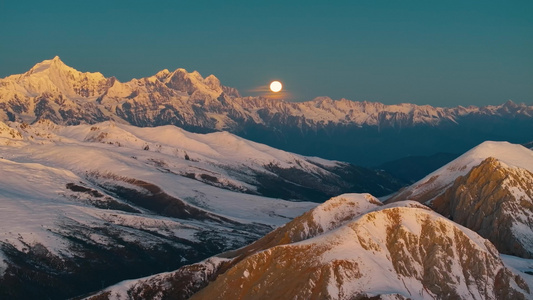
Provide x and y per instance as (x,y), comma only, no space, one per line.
(489,190)
(496,201)
(411,252)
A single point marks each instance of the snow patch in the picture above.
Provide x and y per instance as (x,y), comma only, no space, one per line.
(343,208)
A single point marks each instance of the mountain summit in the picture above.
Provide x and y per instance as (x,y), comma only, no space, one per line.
(489,190)
(55,77)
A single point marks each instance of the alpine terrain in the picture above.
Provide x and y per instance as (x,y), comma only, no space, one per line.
(364,133)
(179,181)
(489,189)
(350,247)
(90,205)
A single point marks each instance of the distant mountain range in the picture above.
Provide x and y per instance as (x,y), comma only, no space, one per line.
(364,133)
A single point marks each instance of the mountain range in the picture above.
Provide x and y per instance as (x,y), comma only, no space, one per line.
(99,185)
(364,133)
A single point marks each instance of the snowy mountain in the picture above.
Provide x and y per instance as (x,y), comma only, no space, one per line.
(88,205)
(53,76)
(358,132)
(489,190)
(350,247)
(88,199)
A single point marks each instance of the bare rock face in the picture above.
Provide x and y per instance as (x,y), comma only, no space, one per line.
(496,201)
(410,252)
(489,189)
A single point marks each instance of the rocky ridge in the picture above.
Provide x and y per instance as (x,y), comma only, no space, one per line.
(350,248)
(496,201)
(55,81)
(488,190)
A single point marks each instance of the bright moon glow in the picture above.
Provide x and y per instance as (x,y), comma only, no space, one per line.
(275,86)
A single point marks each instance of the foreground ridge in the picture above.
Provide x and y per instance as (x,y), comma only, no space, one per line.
(350,247)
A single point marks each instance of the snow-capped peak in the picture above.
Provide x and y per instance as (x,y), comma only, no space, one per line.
(508,153)
(400,252)
(56,62)
(162,74)
(55,77)
(194,83)
(434,184)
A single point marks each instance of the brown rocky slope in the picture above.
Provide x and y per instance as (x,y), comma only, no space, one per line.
(405,251)
(350,247)
(495,201)
(489,190)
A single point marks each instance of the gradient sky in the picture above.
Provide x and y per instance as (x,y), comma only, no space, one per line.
(443,53)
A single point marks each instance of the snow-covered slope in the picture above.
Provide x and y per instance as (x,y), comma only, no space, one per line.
(87,199)
(52,90)
(489,190)
(358,249)
(219,159)
(62,233)
(87,205)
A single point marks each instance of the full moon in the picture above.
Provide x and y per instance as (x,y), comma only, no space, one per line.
(275,86)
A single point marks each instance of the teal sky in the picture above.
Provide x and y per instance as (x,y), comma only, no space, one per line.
(442,53)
